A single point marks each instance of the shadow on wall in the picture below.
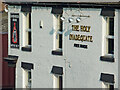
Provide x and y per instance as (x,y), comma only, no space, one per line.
(52,31)
(66,33)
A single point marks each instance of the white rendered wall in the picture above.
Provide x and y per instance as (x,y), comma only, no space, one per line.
(118,48)
(81,67)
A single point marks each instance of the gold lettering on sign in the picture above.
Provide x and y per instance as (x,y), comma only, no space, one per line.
(80,37)
(85,28)
(91,39)
(71,37)
(75,27)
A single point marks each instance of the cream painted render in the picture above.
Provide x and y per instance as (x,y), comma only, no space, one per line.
(81,67)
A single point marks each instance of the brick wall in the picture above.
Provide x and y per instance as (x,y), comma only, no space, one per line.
(6,73)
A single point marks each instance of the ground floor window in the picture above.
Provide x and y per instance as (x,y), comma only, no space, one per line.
(108,86)
(27,74)
(57,82)
(27,78)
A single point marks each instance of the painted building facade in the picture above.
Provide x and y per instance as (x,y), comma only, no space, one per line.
(65,44)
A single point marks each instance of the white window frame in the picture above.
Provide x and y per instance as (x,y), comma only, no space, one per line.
(106,86)
(25,79)
(56,82)
(57,27)
(26,29)
(106,35)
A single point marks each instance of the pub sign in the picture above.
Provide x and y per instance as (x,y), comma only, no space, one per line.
(14,18)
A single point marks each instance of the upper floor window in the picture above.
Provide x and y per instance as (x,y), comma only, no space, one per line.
(28,29)
(110,35)
(27,39)
(58,30)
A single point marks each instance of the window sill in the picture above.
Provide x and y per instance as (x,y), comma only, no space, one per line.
(26,48)
(107,58)
(57,52)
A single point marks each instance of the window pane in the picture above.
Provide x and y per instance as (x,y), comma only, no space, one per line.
(29,38)
(111,46)
(60,83)
(60,40)
(60,29)
(29,79)
(61,24)
(29,20)
(111,87)
(29,74)
(111,26)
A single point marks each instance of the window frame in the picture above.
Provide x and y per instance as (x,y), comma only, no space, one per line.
(58,81)
(58,35)
(58,30)
(107,86)
(108,36)
(27,83)
(27,33)
(107,57)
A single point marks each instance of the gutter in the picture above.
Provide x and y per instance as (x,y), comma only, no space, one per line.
(68,4)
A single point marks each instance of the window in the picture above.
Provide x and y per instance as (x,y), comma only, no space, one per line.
(58,29)
(27,79)
(27,74)
(107,86)
(108,25)
(57,77)
(29,28)
(57,82)
(110,35)
(108,15)
(57,25)
(59,34)
(27,31)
